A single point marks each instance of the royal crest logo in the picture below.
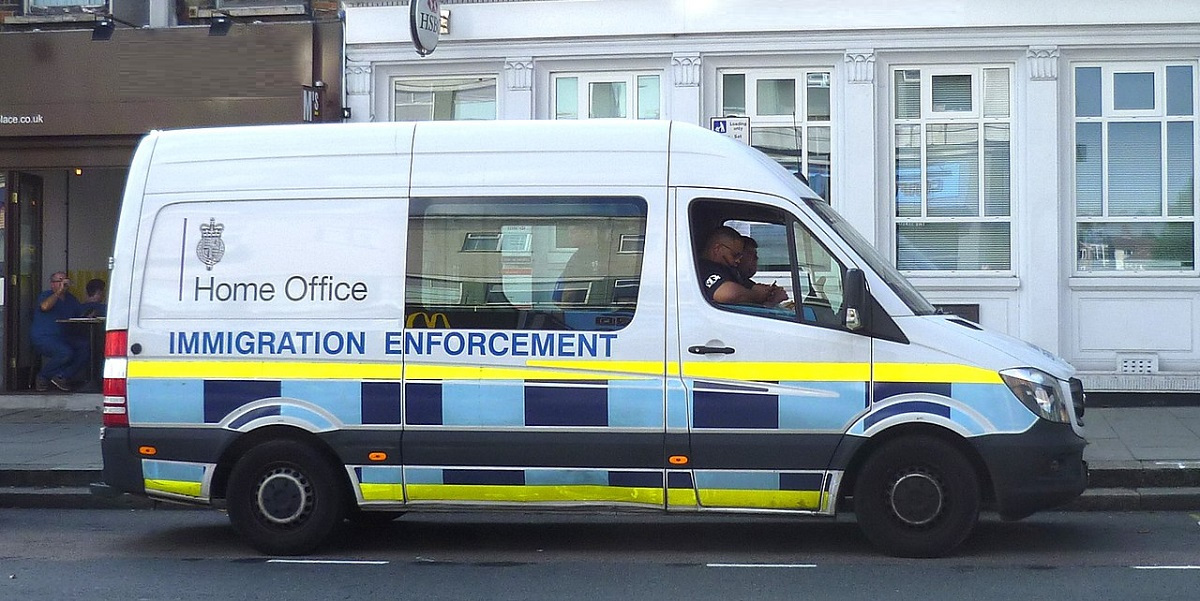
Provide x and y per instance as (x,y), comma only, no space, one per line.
(211,248)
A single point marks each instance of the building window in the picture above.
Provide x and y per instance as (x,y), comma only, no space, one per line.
(631,243)
(1135,149)
(607,96)
(789,118)
(953,148)
(457,99)
(524,263)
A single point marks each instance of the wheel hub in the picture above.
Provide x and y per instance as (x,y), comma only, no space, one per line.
(284,496)
(916,498)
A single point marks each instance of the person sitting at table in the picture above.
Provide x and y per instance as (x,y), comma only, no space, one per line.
(64,357)
(93,303)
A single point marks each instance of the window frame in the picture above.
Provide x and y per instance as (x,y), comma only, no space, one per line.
(1109,115)
(976,117)
(583,95)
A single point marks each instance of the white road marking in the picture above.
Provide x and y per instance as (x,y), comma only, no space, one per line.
(761,565)
(340,562)
(1166,567)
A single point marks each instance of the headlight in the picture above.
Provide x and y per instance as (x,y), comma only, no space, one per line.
(1039,391)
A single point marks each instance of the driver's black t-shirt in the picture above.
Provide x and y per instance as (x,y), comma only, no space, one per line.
(712,275)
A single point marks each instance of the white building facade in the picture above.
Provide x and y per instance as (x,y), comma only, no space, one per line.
(1028,164)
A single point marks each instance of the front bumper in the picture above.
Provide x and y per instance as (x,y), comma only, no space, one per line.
(1041,468)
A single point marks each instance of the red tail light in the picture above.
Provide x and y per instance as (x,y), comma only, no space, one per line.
(116,414)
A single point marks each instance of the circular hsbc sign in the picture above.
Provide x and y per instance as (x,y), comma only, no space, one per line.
(425,22)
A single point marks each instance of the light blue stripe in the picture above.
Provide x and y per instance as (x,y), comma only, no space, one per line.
(153,469)
(566,477)
(422,475)
(342,398)
(677,404)
(383,474)
(635,404)
(317,420)
(500,403)
(728,480)
(996,403)
(174,400)
(842,402)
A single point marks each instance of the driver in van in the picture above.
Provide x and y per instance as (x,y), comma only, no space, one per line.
(720,277)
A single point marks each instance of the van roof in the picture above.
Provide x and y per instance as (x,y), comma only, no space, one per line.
(589,153)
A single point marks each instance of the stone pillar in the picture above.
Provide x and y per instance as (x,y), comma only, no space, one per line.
(855,170)
(683,98)
(359,98)
(1040,213)
(517,89)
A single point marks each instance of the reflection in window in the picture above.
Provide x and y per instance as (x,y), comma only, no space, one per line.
(1134,186)
(444,99)
(526,263)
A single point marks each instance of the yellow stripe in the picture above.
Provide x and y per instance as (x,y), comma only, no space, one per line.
(178,487)
(682,497)
(382,492)
(641,368)
(761,499)
(841,372)
(534,494)
(479,372)
(565,370)
(935,372)
(265,370)
(777,371)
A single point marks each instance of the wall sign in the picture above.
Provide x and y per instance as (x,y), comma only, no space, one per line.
(425,23)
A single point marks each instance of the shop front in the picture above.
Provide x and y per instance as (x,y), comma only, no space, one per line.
(73,108)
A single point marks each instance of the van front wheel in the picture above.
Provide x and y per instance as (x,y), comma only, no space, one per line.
(917,497)
(284,499)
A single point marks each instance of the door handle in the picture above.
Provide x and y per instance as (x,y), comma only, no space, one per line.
(709,350)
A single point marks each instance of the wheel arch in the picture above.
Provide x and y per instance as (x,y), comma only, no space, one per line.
(245,442)
(861,452)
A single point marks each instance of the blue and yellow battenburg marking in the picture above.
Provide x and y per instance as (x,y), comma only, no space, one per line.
(771,398)
(681,489)
(175,478)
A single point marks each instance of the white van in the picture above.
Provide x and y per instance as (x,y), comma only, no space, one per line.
(315,323)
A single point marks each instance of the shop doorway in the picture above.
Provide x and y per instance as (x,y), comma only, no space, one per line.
(21,232)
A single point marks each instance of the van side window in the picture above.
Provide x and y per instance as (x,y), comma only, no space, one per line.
(524,263)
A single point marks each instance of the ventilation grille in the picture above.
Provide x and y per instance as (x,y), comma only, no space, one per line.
(1137,364)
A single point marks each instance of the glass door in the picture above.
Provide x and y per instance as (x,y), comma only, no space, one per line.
(21,232)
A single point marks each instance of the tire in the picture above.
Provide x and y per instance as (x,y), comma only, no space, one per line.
(917,497)
(285,498)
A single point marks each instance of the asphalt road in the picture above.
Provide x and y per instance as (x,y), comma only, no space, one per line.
(108,554)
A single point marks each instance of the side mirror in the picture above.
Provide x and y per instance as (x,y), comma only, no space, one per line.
(855,298)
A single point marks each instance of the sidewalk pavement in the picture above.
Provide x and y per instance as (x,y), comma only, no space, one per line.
(1140,458)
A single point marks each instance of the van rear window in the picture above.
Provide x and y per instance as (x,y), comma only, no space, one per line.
(524,263)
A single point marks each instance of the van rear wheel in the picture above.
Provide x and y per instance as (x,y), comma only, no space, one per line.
(917,497)
(284,498)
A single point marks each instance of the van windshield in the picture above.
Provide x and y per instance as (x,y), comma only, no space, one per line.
(881,266)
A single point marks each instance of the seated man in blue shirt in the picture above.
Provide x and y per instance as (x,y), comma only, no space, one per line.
(64,356)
